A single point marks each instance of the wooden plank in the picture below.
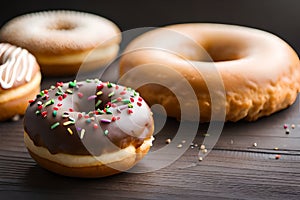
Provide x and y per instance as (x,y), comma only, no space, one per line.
(222,174)
(234,169)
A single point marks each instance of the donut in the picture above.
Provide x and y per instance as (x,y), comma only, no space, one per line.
(259,70)
(88,129)
(20,79)
(64,40)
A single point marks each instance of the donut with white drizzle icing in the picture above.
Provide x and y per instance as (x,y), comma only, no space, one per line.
(19,80)
(88,121)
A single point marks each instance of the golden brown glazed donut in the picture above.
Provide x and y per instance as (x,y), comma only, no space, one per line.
(62,40)
(260,71)
(88,129)
(19,80)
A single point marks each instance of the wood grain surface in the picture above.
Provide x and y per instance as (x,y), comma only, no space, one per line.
(234,169)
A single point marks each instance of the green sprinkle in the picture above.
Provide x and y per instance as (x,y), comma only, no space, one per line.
(71,119)
(72,84)
(101,112)
(60,89)
(42,93)
(37,112)
(53,126)
(109,85)
(111,94)
(98,103)
(88,120)
(54,113)
(58,93)
(108,111)
(125,101)
(106,132)
(50,102)
(136,93)
(114,100)
(130,105)
(88,80)
(52,87)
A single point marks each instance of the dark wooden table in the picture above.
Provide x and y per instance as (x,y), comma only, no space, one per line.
(234,169)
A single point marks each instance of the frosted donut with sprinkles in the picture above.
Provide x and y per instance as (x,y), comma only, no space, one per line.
(88,128)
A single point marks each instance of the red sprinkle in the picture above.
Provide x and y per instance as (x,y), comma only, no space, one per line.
(108,104)
(40,107)
(119,99)
(277,156)
(140,99)
(55,108)
(80,95)
(59,84)
(139,103)
(71,109)
(130,111)
(31,100)
(100,86)
(59,104)
(46,91)
(60,98)
(113,119)
(131,100)
(123,92)
(285,126)
(64,95)
(95,126)
(79,115)
(117,87)
(44,114)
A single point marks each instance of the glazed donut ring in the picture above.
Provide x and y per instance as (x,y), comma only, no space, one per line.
(260,71)
(19,80)
(88,129)
(62,40)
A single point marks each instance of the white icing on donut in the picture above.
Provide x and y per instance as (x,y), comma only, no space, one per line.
(16,65)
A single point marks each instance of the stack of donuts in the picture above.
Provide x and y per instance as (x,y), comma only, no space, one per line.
(93,128)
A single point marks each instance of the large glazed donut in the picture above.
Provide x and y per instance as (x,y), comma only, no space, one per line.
(62,40)
(19,80)
(260,72)
(88,128)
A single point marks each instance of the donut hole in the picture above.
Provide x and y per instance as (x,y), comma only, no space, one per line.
(62,26)
(222,51)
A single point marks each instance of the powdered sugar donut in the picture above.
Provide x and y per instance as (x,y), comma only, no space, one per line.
(63,40)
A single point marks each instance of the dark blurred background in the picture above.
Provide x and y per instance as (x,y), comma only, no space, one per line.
(280,17)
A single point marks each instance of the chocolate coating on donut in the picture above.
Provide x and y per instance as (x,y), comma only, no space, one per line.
(88,118)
